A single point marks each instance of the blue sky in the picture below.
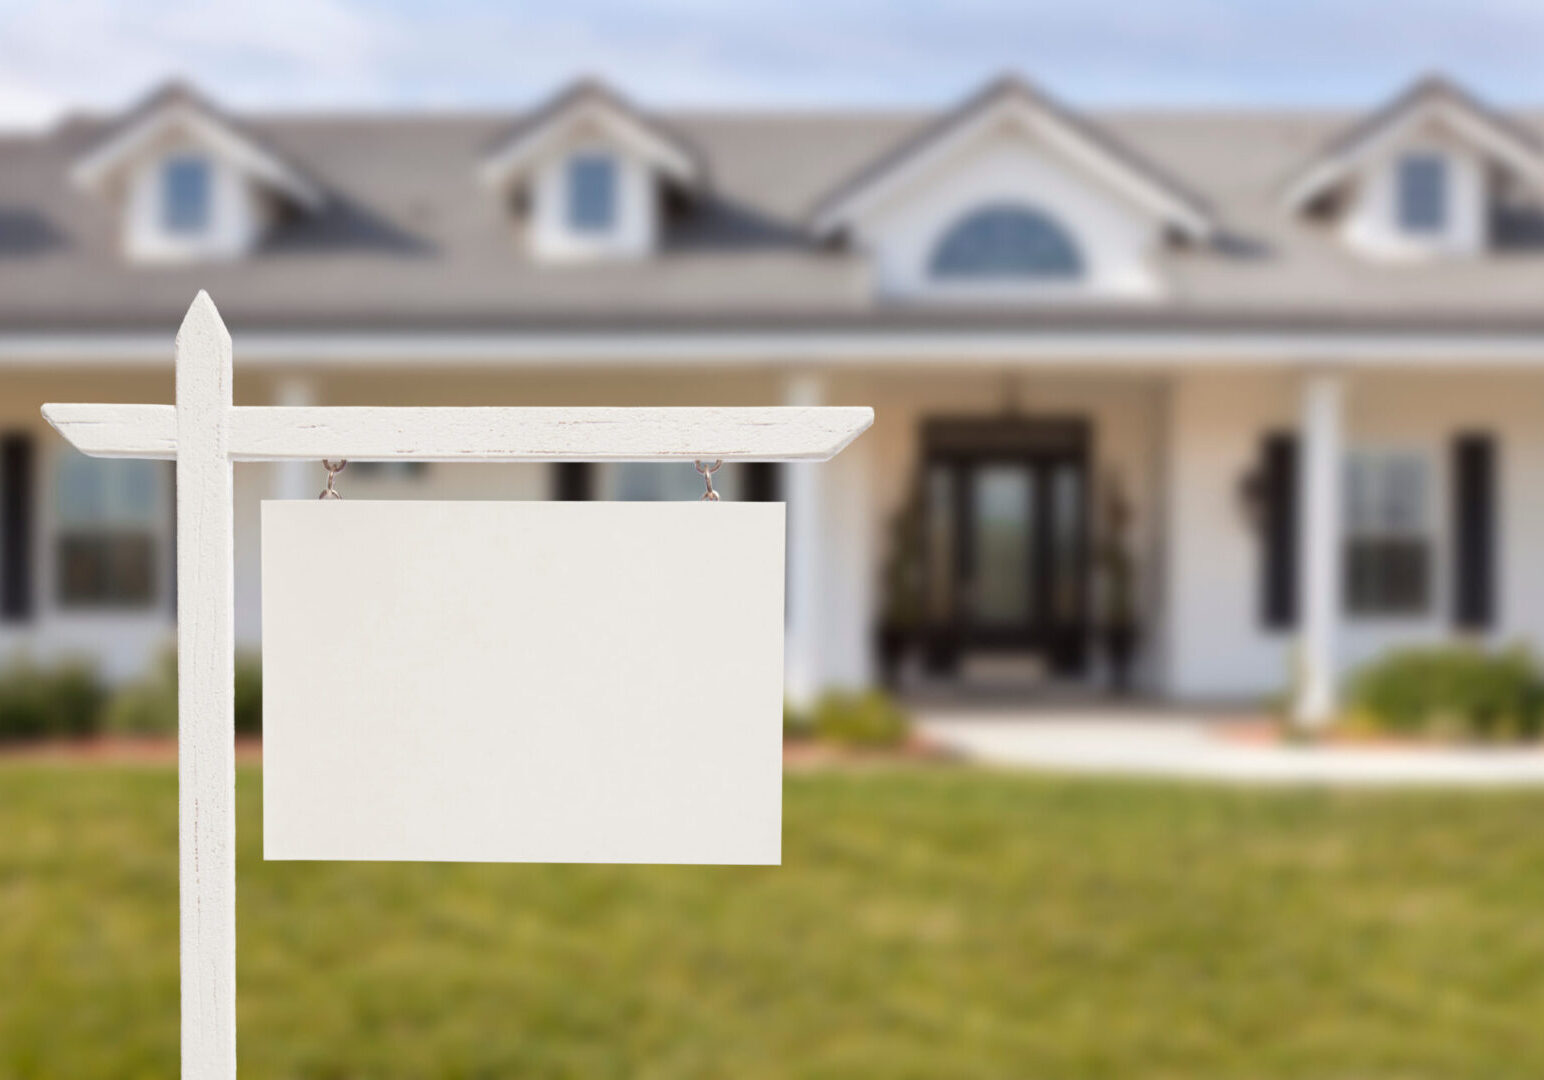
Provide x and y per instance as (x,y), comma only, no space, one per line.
(478,53)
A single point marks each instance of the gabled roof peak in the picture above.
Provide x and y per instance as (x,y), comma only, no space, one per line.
(655,140)
(1493,132)
(175,103)
(1138,178)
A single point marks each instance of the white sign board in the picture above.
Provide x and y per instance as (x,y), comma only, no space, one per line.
(523,682)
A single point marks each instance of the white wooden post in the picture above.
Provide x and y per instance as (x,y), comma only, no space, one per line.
(1321,532)
(206,726)
(205,433)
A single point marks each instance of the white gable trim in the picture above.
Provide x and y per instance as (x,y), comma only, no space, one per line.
(101,163)
(1473,126)
(519,154)
(1033,122)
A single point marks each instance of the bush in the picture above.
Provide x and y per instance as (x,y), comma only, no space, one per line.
(149,707)
(1451,691)
(59,701)
(868,719)
(798,724)
(249,695)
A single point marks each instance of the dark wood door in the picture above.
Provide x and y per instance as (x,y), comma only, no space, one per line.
(1007,539)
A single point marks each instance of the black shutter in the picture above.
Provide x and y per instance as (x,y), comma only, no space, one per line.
(16,509)
(1278,530)
(1474,531)
(573,481)
(762,482)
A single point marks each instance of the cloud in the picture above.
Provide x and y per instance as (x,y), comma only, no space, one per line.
(487,53)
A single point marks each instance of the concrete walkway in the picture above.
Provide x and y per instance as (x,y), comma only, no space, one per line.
(1158,743)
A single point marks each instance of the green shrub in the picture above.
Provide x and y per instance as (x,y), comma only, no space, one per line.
(1450,691)
(63,700)
(798,724)
(249,695)
(868,719)
(149,707)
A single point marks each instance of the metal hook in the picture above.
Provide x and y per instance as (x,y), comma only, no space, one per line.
(333,469)
(706,472)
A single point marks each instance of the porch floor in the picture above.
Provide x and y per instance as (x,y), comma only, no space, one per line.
(1161,741)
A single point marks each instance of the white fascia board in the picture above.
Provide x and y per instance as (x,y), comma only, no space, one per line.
(92,170)
(1478,129)
(1032,121)
(855,349)
(519,154)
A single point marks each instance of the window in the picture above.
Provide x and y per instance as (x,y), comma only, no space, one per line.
(108,519)
(185,184)
(592,193)
(1007,243)
(1423,183)
(1388,533)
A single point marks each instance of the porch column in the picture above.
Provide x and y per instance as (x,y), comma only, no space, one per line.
(296,479)
(1319,597)
(802,674)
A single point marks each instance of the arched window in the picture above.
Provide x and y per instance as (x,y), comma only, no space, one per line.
(1005,242)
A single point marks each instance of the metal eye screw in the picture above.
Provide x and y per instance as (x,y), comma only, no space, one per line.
(333,469)
(706,472)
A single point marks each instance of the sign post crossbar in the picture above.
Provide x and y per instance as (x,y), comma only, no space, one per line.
(206,433)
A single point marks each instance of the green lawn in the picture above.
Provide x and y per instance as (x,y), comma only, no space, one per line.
(925,923)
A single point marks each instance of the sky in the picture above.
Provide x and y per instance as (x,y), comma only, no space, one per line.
(57,55)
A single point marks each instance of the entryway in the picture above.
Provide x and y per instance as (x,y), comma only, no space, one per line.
(1005,546)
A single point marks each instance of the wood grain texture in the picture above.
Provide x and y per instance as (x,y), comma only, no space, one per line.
(206,765)
(277,433)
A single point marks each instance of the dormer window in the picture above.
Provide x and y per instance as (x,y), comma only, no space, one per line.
(185,194)
(1006,243)
(592,193)
(190,182)
(589,175)
(1423,193)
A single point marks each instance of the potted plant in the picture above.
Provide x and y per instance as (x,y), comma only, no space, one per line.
(1117,569)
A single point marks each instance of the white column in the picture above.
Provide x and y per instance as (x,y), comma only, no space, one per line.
(1320,540)
(803,676)
(296,479)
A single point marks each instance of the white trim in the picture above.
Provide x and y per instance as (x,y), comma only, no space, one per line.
(1033,121)
(1466,122)
(479,433)
(94,169)
(525,148)
(278,350)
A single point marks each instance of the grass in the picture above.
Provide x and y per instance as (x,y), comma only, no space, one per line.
(925,923)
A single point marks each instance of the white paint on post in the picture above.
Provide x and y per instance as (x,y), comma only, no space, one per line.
(803,673)
(1321,532)
(274,433)
(206,761)
(294,479)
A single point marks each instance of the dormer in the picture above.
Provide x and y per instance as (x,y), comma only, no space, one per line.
(1425,177)
(589,176)
(1012,198)
(190,182)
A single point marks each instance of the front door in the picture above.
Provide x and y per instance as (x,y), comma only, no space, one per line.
(1007,538)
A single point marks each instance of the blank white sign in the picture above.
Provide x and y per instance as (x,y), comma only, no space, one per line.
(523,682)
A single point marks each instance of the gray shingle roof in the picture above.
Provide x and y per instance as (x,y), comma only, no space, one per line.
(410,239)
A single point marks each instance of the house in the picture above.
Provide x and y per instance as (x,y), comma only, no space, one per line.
(1250,395)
